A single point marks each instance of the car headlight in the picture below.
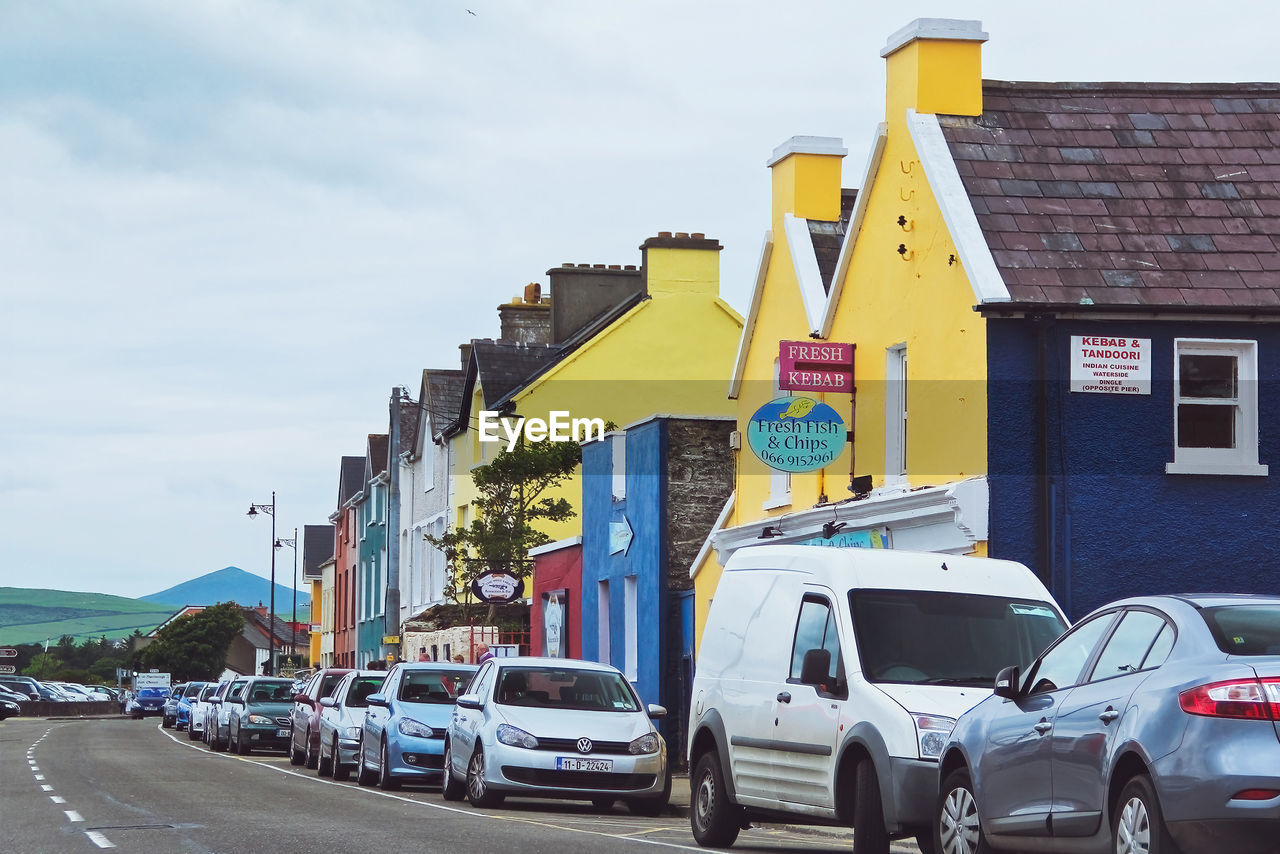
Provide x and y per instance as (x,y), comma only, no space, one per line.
(643,745)
(351,733)
(931,733)
(260,719)
(408,726)
(516,737)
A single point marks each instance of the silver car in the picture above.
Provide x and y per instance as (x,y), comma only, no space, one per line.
(341,716)
(220,719)
(556,728)
(1151,724)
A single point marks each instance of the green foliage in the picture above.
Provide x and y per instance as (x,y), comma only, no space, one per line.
(194,646)
(511,506)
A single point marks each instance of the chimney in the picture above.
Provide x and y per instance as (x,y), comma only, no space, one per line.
(465,350)
(527,321)
(934,65)
(806,179)
(681,263)
(582,293)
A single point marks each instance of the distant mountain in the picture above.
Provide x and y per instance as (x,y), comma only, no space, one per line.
(33,616)
(233,584)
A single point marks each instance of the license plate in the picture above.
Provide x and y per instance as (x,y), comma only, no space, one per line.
(572,763)
(283,733)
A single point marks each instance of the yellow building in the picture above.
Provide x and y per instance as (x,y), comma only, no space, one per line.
(887,270)
(618,344)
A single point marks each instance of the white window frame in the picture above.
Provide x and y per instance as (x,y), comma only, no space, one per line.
(895,415)
(428,459)
(779,481)
(1242,459)
(618,451)
(630,629)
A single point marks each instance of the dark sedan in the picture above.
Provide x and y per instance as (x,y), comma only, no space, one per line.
(1152,723)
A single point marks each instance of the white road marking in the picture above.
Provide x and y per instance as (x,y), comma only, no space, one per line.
(99,840)
(72,815)
(57,800)
(46,788)
(39,776)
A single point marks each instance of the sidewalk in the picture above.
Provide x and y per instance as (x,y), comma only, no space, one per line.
(681,799)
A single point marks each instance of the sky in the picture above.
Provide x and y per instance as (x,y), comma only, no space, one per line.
(228,229)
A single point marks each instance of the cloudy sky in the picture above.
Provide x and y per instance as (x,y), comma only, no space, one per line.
(228,229)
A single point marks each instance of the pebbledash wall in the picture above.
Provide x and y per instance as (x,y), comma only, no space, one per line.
(1119,524)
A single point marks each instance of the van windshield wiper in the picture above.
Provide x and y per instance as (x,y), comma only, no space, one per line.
(980,679)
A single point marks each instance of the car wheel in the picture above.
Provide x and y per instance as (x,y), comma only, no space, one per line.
(242,746)
(478,792)
(958,827)
(364,776)
(166,722)
(869,834)
(450,788)
(386,782)
(340,772)
(217,743)
(295,755)
(192,734)
(1138,824)
(324,764)
(715,821)
(309,759)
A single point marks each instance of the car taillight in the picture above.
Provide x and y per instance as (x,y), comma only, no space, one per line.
(1240,698)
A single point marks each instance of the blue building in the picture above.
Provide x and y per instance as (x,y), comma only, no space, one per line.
(651,494)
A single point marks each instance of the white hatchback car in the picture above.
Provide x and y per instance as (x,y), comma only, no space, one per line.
(555,728)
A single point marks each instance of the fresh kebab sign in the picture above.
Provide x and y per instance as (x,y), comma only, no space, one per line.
(815,366)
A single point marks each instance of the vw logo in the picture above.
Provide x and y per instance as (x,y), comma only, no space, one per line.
(584,745)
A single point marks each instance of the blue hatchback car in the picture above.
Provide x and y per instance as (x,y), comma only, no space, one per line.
(402,737)
(1151,727)
(183,714)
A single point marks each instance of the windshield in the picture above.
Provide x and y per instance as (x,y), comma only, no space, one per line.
(152,692)
(1245,629)
(271,692)
(926,637)
(433,686)
(193,689)
(361,688)
(565,688)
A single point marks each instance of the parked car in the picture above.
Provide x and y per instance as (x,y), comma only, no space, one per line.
(829,679)
(557,728)
(199,711)
(9,708)
(220,715)
(189,694)
(304,718)
(1152,723)
(147,702)
(402,735)
(169,716)
(22,685)
(259,716)
(14,696)
(107,691)
(341,720)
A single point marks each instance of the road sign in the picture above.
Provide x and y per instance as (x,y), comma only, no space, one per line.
(8,652)
(8,669)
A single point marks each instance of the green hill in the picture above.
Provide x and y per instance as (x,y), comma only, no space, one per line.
(29,615)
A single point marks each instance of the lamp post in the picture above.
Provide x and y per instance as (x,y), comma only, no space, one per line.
(270,510)
(282,542)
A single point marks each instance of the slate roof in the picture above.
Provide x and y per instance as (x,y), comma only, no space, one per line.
(502,367)
(443,393)
(828,237)
(1127,194)
(317,547)
(350,478)
(378,443)
(408,413)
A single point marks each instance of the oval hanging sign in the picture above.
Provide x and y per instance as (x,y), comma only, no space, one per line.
(497,586)
(796,434)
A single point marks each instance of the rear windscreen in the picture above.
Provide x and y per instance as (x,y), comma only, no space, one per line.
(1245,629)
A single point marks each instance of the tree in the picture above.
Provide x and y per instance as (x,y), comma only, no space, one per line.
(194,646)
(511,505)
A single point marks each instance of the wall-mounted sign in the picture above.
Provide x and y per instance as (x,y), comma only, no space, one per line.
(1110,365)
(390,640)
(871,539)
(620,535)
(815,366)
(796,434)
(553,608)
(497,586)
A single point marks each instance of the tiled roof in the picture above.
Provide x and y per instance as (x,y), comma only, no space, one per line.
(828,237)
(444,397)
(317,547)
(408,412)
(350,479)
(377,458)
(1127,194)
(502,367)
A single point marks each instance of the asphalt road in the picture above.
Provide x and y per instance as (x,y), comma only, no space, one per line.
(81,786)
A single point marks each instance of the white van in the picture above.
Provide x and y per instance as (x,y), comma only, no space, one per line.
(829,679)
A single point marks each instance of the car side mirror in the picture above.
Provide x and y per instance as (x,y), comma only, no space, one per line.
(1006,684)
(328,702)
(656,711)
(303,699)
(816,667)
(215,701)
(377,700)
(469,701)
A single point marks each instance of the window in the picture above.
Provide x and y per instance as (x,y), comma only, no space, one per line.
(428,459)
(1215,392)
(618,449)
(816,629)
(630,629)
(895,407)
(1126,651)
(1061,666)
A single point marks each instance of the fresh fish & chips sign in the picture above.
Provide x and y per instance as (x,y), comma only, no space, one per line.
(796,434)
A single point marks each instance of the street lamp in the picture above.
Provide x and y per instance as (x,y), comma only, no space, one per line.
(270,510)
(293,627)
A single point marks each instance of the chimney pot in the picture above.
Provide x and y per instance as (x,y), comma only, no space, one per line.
(698,235)
(533,293)
(682,235)
(664,234)
(629,267)
(615,266)
(597,266)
